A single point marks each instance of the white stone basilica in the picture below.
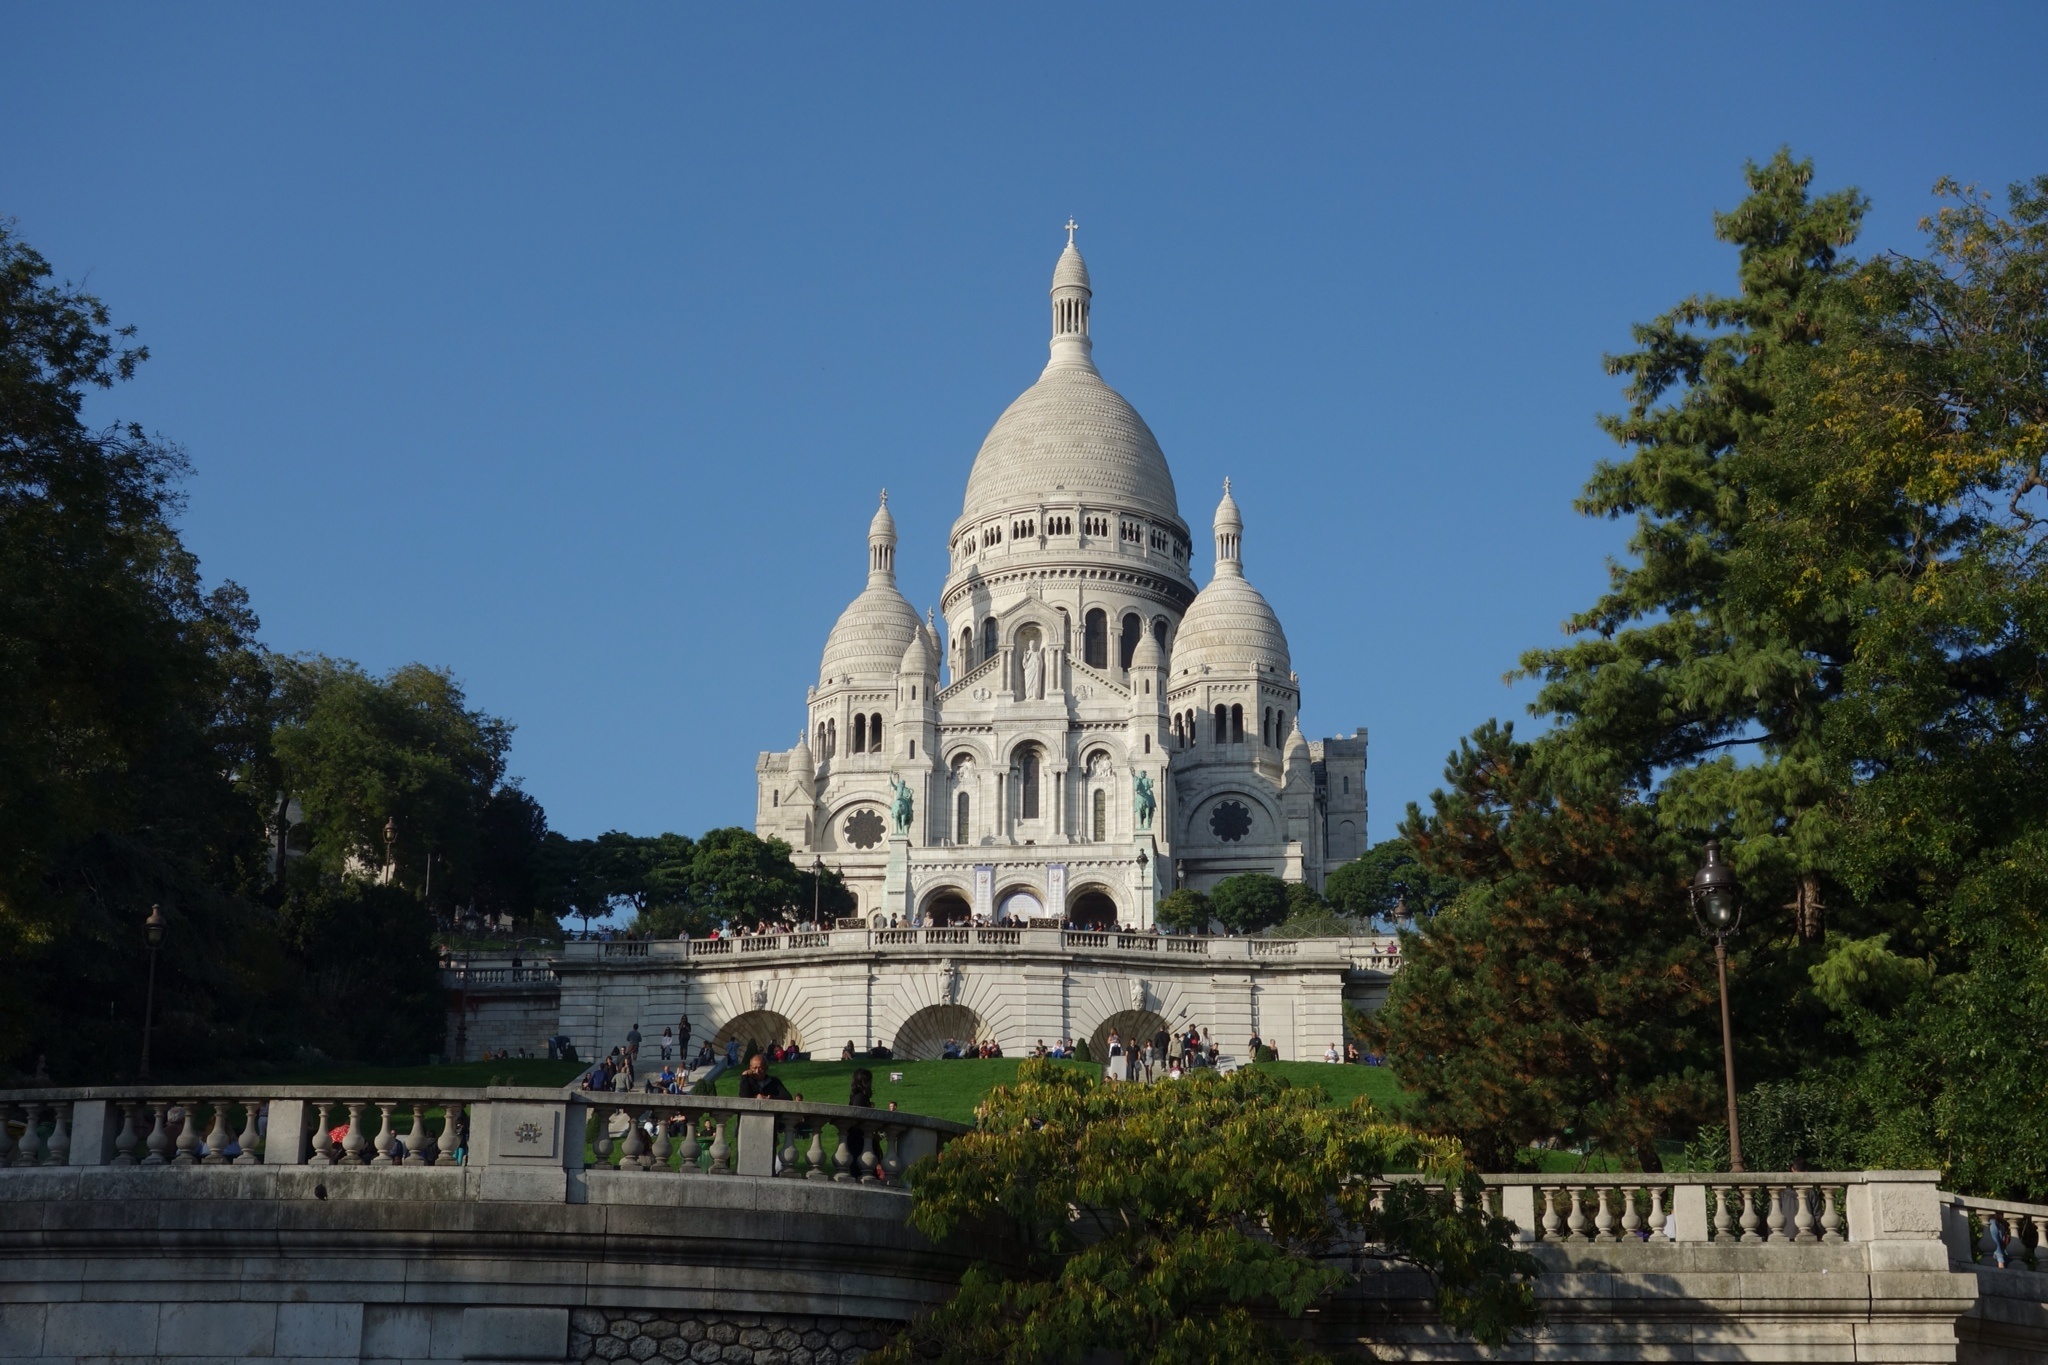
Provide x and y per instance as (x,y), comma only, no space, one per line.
(1104,733)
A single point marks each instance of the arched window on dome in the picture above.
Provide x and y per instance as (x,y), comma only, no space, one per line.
(1127,646)
(966,660)
(831,737)
(960,831)
(1223,725)
(1101,815)
(1236,724)
(1266,726)
(875,733)
(1279,728)
(819,748)
(1095,638)
(1159,630)
(860,734)
(988,638)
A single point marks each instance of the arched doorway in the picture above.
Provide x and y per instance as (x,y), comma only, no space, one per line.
(922,1037)
(1021,905)
(1091,908)
(1140,1025)
(947,907)
(756,1029)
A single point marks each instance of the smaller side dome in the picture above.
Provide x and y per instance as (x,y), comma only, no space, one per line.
(877,626)
(1148,654)
(1229,625)
(917,660)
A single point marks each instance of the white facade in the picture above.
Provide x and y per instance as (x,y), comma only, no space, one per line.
(1080,663)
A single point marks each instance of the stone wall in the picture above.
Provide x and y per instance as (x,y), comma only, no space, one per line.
(724,1338)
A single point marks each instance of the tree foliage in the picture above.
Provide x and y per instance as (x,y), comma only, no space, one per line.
(1182,1222)
(1249,902)
(1185,909)
(1388,882)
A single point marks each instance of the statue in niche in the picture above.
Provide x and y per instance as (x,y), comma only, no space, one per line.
(1034,672)
(1143,801)
(901,809)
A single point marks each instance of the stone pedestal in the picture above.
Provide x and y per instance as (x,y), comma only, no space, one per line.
(896,878)
(1146,882)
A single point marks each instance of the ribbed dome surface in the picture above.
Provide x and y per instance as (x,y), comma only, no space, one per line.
(1230,626)
(1071,436)
(872,633)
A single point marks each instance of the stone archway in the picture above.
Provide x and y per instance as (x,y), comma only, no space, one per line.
(1091,907)
(755,1030)
(1127,1024)
(947,906)
(922,1037)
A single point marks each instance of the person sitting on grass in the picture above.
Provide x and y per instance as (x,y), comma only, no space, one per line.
(757,1084)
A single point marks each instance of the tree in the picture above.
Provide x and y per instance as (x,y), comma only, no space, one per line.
(512,832)
(131,708)
(1184,1222)
(1564,994)
(1388,882)
(1185,909)
(372,992)
(1249,902)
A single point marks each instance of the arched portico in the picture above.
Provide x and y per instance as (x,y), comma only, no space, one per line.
(1092,907)
(923,1035)
(946,905)
(755,1030)
(1135,1027)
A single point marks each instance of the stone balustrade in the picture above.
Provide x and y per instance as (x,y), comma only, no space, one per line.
(1997,1234)
(1720,1208)
(540,1132)
(474,975)
(1378,954)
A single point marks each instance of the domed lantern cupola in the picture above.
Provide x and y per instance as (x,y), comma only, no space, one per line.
(1070,299)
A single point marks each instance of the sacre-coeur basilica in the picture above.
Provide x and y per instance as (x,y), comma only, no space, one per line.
(1010,783)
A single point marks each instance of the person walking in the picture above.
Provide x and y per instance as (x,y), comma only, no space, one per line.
(1115,1069)
(668,1044)
(633,1043)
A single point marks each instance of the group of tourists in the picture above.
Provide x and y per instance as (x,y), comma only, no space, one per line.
(1166,1054)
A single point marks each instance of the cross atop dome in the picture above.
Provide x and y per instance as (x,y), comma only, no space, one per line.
(1071,225)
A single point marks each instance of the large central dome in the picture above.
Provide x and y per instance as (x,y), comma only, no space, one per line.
(1070,436)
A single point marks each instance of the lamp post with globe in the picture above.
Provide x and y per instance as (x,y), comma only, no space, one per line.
(153,932)
(1718,908)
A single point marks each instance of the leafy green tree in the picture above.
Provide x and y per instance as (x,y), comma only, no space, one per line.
(1190,1222)
(131,705)
(1388,882)
(512,832)
(1185,909)
(1249,902)
(366,952)
(406,749)
(1564,995)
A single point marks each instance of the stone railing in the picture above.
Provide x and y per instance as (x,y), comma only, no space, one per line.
(1752,1207)
(1995,1233)
(528,1132)
(1379,954)
(471,976)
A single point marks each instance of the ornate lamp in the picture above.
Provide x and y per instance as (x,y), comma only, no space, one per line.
(152,934)
(1718,908)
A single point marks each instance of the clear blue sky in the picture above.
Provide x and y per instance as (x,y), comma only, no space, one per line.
(567,347)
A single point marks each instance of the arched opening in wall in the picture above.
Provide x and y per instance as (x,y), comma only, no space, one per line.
(1027,673)
(1135,1027)
(755,1030)
(1020,905)
(962,833)
(818,749)
(1099,817)
(988,637)
(1236,724)
(875,733)
(922,1037)
(1091,908)
(1222,725)
(1159,630)
(947,907)
(860,734)
(1279,728)
(831,737)
(1178,738)
(966,652)
(1095,638)
(1028,766)
(1127,644)
(1266,726)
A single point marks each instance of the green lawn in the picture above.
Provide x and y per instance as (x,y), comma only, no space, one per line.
(1342,1083)
(942,1090)
(459,1074)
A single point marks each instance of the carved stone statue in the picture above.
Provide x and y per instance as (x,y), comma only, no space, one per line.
(902,808)
(1034,673)
(1143,801)
(1137,995)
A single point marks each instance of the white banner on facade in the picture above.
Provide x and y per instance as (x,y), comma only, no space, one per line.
(985,890)
(1056,889)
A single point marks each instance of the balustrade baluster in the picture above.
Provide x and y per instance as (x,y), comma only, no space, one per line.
(2040,1222)
(814,1158)
(58,1148)
(1603,1216)
(1987,1242)
(691,1151)
(603,1144)
(1724,1213)
(1552,1224)
(387,1139)
(1830,1216)
(451,1133)
(1749,1218)
(6,1135)
(125,1143)
(1657,1215)
(1577,1221)
(218,1137)
(250,1136)
(785,1149)
(190,1148)
(633,1150)
(867,1156)
(893,1168)
(353,1141)
(1774,1213)
(29,1151)
(842,1159)
(160,1134)
(721,1154)
(1802,1214)
(323,1136)
(663,1148)
(417,1143)
(1631,1221)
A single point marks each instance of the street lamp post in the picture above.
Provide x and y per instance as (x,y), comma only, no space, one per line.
(1719,911)
(817,889)
(153,932)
